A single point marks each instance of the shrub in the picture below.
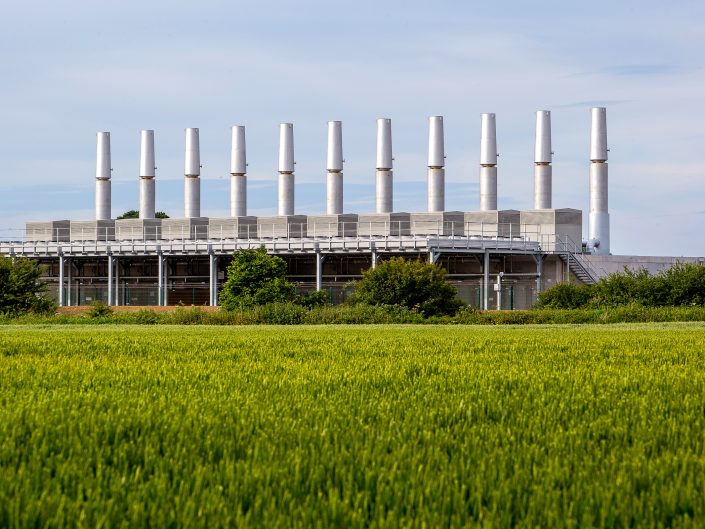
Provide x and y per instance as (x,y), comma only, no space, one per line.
(416,285)
(21,287)
(317,298)
(255,278)
(98,309)
(146,317)
(564,296)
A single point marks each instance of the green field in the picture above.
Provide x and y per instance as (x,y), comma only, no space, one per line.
(352,426)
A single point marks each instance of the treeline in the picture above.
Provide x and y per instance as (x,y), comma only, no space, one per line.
(681,285)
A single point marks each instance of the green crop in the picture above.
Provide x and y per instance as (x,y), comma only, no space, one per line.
(364,426)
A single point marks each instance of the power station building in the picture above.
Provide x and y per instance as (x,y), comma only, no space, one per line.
(496,258)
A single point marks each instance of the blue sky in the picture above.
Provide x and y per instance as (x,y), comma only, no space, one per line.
(74,68)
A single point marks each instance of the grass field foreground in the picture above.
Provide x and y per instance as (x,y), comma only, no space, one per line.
(360,426)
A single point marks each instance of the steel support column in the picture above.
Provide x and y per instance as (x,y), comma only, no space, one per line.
(160,279)
(486,281)
(110,278)
(61,279)
(211,277)
(68,283)
(539,272)
(319,271)
(117,282)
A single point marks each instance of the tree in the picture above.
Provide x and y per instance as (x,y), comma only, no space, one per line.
(255,278)
(414,284)
(21,287)
(134,214)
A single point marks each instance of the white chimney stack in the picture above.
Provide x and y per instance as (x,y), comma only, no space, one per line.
(102,177)
(436,164)
(238,172)
(543,157)
(147,173)
(334,165)
(599,217)
(286,169)
(192,171)
(384,176)
(488,163)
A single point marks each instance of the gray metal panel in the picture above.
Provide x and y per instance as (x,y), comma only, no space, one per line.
(45,231)
(384,224)
(232,228)
(92,230)
(188,228)
(344,225)
(138,229)
(491,224)
(448,223)
(281,226)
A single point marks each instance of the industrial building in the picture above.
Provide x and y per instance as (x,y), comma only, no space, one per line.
(496,258)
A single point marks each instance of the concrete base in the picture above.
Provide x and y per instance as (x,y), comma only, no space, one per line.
(138,229)
(492,224)
(281,226)
(344,225)
(232,228)
(50,231)
(554,229)
(440,223)
(191,228)
(93,230)
(384,224)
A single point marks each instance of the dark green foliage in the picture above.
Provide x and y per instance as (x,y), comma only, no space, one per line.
(255,278)
(134,214)
(98,309)
(131,214)
(317,298)
(682,284)
(564,296)
(416,285)
(21,287)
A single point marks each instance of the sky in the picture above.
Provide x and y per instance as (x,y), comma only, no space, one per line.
(74,68)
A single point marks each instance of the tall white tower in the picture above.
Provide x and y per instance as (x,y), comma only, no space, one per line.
(102,177)
(543,157)
(334,165)
(286,169)
(436,164)
(147,173)
(488,163)
(599,217)
(384,199)
(238,173)
(192,173)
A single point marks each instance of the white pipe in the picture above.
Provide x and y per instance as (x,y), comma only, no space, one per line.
(192,197)
(488,188)
(146,198)
(488,140)
(436,150)
(436,163)
(286,194)
(488,163)
(334,193)
(147,173)
(192,170)
(286,169)
(543,186)
(543,156)
(192,161)
(384,196)
(334,165)
(102,177)
(598,135)
(238,170)
(238,195)
(599,218)
(436,189)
